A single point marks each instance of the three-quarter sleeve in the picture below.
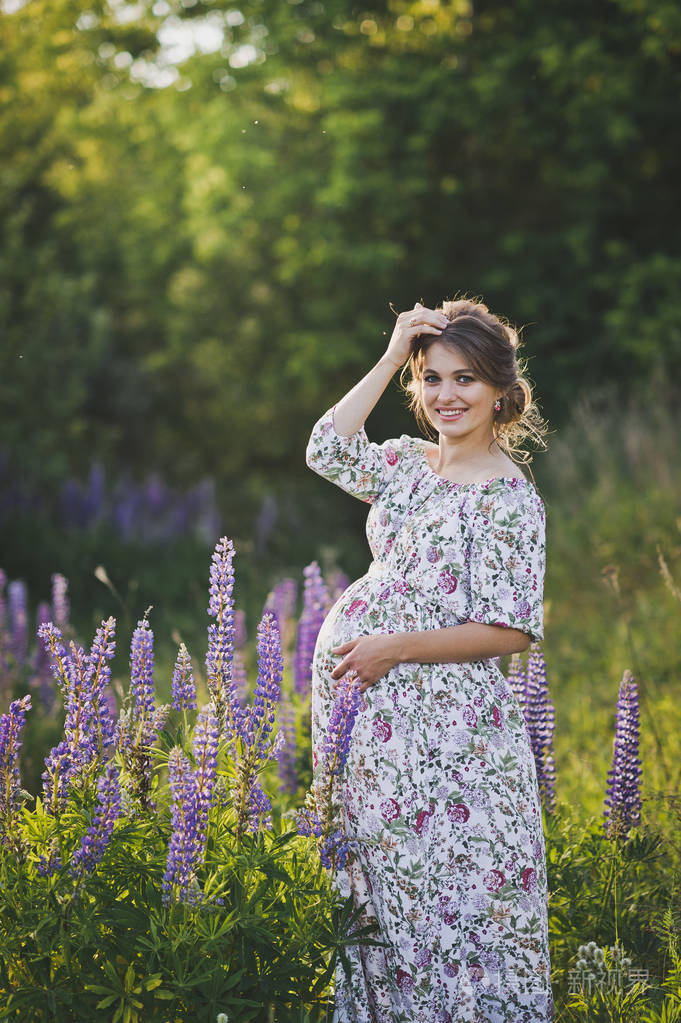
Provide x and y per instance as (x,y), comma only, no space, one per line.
(356,464)
(508,558)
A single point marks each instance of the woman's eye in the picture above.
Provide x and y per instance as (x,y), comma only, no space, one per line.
(429,379)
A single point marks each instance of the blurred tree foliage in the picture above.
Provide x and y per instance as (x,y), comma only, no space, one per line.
(196,261)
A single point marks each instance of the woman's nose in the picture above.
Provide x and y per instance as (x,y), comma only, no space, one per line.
(448,391)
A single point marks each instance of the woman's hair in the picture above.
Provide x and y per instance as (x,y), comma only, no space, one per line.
(489,345)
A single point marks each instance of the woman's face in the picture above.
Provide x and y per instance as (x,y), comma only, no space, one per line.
(456,401)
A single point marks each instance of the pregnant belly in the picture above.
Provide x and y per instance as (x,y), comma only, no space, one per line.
(367,606)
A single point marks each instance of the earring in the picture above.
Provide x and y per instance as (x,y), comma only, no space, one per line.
(497,405)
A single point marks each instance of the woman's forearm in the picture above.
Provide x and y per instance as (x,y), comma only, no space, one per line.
(471,641)
(371,657)
(352,411)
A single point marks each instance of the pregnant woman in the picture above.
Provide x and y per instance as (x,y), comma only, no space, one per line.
(439,796)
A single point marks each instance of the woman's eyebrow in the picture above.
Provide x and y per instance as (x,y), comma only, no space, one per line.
(465,369)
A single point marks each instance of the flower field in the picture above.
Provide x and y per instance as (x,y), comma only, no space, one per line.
(167,861)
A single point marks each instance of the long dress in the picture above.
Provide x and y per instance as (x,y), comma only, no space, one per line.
(439,796)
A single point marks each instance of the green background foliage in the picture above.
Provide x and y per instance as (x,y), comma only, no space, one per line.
(197,258)
(191,274)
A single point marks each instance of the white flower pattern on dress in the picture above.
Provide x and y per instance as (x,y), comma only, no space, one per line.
(439,796)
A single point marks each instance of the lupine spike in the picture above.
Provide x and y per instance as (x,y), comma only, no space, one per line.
(98,677)
(286,757)
(259,808)
(51,637)
(184,847)
(18,616)
(319,816)
(221,641)
(98,835)
(623,798)
(60,601)
(281,601)
(315,605)
(205,749)
(11,726)
(336,744)
(541,715)
(89,727)
(142,668)
(268,685)
(183,685)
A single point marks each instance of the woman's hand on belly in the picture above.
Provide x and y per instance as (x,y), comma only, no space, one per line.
(370,657)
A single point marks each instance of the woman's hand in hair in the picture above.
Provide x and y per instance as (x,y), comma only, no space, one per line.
(409,325)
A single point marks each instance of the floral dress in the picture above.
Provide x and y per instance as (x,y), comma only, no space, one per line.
(439,797)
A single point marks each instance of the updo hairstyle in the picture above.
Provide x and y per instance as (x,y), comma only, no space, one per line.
(489,345)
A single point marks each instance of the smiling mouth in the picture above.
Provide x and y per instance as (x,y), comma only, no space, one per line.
(451,413)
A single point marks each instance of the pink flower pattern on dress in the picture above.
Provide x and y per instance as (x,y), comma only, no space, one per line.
(439,796)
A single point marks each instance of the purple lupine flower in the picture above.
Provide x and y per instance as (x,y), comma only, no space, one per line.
(259,808)
(240,634)
(336,743)
(98,835)
(541,719)
(333,850)
(43,678)
(623,799)
(155,724)
(142,669)
(319,816)
(288,776)
(255,745)
(18,620)
(50,864)
(97,682)
(60,601)
(78,708)
(59,769)
(51,637)
(221,642)
(183,685)
(11,725)
(89,727)
(315,604)
(205,749)
(260,718)
(281,600)
(185,846)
